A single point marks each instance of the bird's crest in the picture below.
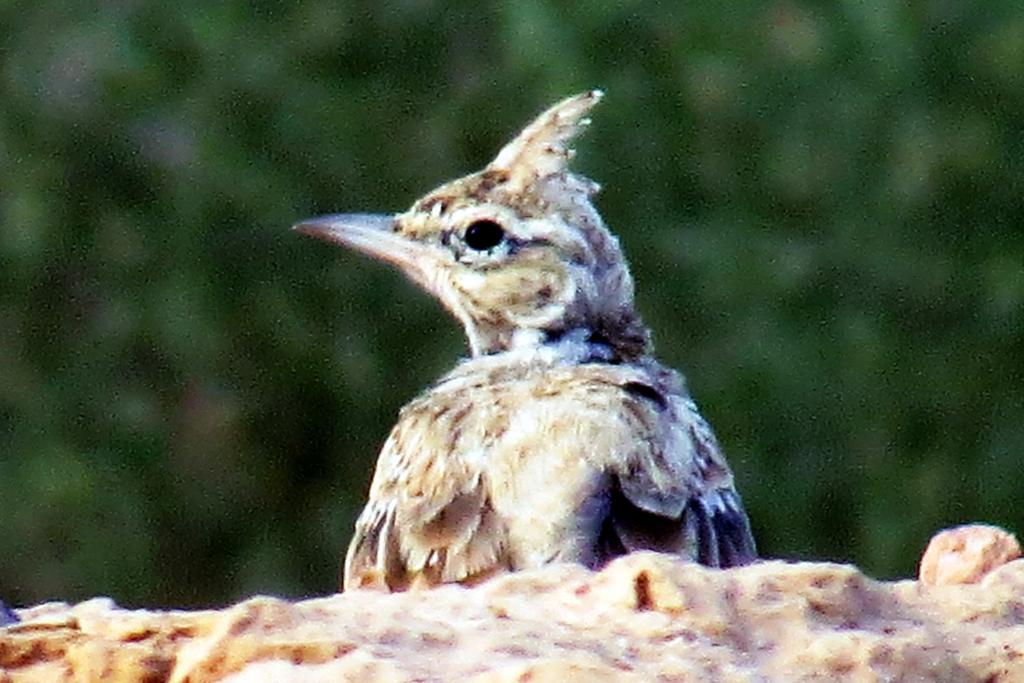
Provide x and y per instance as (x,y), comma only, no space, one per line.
(541,151)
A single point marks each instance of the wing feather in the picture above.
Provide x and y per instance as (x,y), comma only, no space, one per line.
(429,519)
(712,530)
(674,492)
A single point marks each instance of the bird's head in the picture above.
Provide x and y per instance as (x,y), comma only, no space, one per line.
(517,252)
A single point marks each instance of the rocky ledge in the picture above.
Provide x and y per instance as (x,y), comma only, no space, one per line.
(645,617)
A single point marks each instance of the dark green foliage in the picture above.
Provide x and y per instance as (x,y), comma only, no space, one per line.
(822,204)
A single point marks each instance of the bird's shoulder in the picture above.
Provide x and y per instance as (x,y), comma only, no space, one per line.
(484,402)
(634,420)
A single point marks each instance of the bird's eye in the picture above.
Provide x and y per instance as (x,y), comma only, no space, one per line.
(484,235)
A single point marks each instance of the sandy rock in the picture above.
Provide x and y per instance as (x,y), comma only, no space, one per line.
(966,554)
(645,617)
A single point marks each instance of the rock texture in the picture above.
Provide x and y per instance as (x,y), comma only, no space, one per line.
(966,554)
(646,617)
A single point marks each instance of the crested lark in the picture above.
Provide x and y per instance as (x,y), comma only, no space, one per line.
(561,438)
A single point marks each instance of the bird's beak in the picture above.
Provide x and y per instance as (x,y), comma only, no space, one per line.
(374,235)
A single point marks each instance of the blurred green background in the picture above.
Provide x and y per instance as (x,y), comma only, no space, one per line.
(822,204)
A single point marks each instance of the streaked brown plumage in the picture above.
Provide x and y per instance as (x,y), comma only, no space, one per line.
(561,438)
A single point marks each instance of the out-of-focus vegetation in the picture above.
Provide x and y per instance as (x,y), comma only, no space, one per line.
(822,203)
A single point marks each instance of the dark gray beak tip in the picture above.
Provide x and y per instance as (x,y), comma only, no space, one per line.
(310,227)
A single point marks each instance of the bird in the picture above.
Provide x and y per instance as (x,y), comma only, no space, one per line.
(559,438)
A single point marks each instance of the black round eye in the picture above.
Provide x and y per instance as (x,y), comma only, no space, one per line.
(484,235)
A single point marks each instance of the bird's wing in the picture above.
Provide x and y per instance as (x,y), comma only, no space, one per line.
(673,490)
(428,519)
(712,529)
